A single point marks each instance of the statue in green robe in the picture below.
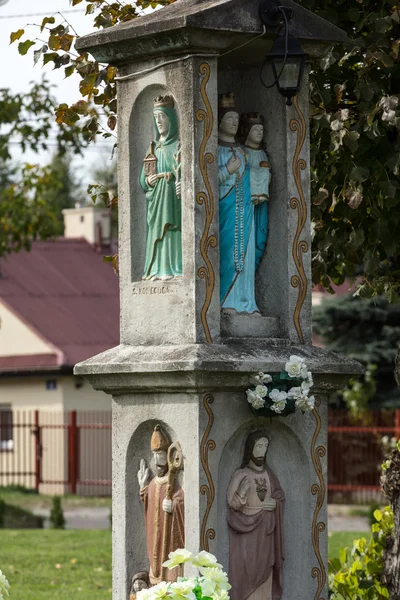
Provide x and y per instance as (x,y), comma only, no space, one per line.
(161,181)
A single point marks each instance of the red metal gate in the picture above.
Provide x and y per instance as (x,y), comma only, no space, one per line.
(68,452)
(356,450)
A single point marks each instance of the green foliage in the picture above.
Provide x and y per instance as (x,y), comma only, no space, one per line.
(360,391)
(57,520)
(63,190)
(367,330)
(355,121)
(357,575)
(17,488)
(24,213)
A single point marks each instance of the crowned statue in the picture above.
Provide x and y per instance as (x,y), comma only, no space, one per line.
(163,505)
(255,519)
(251,134)
(160,178)
(240,233)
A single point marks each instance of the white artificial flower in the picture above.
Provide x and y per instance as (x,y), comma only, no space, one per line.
(293,366)
(309,379)
(219,577)
(259,378)
(205,559)
(177,558)
(303,371)
(278,407)
(305,403)
(305,388)
(295,393)
(277,396)
(254,399)
(160,590)
(208,587)
(181,589)
(141,594)
(311,403)
(258,403)
(4,586)
(265,378)
(261,390)
(220,595)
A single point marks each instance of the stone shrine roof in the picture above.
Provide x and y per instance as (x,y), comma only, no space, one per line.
(226,17)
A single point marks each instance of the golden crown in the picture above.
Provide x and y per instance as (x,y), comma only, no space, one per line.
(227,100)
(254,118)
(165,101)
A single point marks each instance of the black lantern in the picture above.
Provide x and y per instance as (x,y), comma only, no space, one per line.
(288,60)
(286,57)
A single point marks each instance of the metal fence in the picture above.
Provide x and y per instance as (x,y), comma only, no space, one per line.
(56,452)
(356,449)
(70,452)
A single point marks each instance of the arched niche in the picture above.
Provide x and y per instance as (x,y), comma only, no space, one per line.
(141,134)
(288,459)
(138,449)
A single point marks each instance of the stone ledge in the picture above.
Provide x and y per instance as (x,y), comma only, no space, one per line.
(205,367)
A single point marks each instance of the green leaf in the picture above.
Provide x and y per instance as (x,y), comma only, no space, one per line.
(46,21)
(16,35)
(23,47)
(69,70)
(359,174)
(378,515)
(50,56)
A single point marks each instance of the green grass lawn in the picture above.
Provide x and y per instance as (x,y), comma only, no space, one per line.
(29,501)
(343,539)
(48,564)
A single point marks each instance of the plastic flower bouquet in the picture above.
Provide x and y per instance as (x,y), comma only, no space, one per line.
(281,394)
(211,583)
(4,586)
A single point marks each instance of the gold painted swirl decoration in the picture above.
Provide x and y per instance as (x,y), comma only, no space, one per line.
(300,247)
(207,446)
(206,199)
(318,489)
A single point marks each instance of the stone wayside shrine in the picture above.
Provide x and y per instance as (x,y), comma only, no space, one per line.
(219,437)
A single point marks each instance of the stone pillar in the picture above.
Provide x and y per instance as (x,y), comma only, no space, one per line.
(181,363)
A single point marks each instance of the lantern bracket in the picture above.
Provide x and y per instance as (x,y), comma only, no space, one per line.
(271,13)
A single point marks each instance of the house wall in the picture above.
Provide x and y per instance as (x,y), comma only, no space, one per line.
(16,338)
(27,394)
(83,397)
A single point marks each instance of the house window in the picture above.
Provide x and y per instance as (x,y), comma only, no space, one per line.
(51,384)
(6,427)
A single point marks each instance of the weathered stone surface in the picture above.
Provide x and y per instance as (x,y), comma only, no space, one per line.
(224,366)
(191,25)
(181,363)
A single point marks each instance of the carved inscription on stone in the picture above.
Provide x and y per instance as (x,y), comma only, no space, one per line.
(150,291)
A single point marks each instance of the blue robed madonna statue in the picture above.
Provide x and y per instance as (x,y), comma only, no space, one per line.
(160,179)
(242,235)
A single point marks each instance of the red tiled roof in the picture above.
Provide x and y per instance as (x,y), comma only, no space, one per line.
(28,362)
(65,291)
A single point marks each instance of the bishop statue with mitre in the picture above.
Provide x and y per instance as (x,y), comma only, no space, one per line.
(163,502)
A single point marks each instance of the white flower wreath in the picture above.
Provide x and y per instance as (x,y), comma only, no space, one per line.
(282,393)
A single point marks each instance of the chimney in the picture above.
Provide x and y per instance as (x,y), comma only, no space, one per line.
(87,222)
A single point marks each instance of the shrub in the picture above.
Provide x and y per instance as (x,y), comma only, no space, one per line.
(2,512)
(358,574)
(57,520)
